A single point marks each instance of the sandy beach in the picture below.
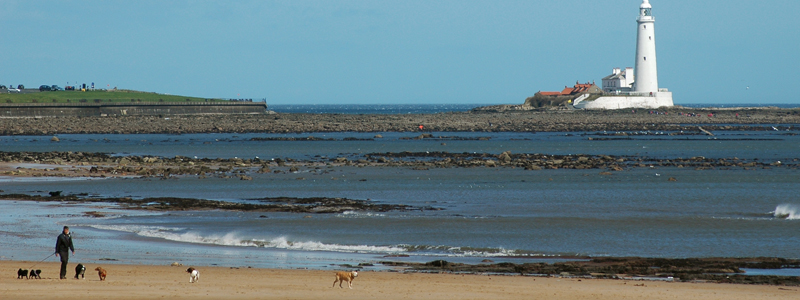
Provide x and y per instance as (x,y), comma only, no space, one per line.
(150,282)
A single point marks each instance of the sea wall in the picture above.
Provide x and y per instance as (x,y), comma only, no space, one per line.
(661,99)
(128,109)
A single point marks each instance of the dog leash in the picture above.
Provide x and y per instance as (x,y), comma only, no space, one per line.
(41,260)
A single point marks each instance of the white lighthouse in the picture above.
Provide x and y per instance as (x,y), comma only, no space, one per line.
(637,88)
(646,72)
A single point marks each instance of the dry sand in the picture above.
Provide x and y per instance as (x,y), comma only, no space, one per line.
(165,282)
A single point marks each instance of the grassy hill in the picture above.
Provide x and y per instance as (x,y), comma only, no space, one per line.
(97,96)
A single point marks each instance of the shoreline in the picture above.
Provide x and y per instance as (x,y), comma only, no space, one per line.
(668,119)
(140,282)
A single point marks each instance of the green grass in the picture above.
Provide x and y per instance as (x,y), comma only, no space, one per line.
(119,96)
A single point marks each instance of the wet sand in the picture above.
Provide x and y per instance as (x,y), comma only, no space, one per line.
(151,282)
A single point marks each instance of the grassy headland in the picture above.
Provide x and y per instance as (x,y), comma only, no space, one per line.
(96,96)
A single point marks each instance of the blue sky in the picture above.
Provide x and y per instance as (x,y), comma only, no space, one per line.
(390,52)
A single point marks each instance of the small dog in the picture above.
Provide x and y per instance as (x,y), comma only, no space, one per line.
(345,276)
(36,274)
(80,270)
(102,273)
(22,273)
(194,275)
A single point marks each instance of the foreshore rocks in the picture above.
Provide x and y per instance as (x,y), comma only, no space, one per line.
(84,164)
(317,205)
(722,270)
(672,119)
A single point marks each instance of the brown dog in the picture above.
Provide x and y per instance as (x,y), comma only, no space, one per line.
(102,273)
(345,276)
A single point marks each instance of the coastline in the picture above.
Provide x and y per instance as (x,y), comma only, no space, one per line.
(673,119)
(140,282)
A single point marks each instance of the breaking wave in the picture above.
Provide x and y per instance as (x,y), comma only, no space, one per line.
(233,239)
(354,214)
(787,211)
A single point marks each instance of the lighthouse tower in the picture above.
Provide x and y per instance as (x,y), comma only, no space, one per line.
(646,73)
(644,93)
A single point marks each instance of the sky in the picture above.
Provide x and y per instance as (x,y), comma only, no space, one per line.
(399,52)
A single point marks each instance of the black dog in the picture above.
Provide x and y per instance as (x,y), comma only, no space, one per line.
(22,273)
(80,270)
(36,274)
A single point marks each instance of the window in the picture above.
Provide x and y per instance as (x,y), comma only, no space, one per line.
(645,58)
(651,38)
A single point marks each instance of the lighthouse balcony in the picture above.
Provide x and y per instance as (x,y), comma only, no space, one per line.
(646,18)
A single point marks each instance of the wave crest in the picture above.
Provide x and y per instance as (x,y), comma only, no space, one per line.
(787,211)
(234,239)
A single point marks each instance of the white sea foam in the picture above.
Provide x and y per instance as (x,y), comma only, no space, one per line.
(787,211)
(233,239)
(355,214)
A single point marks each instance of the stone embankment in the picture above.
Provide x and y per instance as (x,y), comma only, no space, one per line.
(675,119)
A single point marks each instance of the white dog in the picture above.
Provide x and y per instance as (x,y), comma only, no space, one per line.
(345,276)
(194,275)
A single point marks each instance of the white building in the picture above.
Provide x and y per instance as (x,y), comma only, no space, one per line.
(619,81)
(641,90)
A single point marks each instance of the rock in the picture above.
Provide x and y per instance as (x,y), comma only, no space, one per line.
(505,157)
(606,173)
(672,179)
(490,163)
(245,177)
(438,263)
(176,264)
(378,136)
(54,139)
(293,169)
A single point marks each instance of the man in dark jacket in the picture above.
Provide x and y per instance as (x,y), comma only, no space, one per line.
(63,245)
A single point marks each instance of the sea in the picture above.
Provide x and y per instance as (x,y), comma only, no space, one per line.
(499,214)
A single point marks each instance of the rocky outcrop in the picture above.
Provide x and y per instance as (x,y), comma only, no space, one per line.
(318,205)
(722,270)
(672,119)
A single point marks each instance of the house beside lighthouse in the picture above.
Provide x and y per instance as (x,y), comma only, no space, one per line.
(633,87)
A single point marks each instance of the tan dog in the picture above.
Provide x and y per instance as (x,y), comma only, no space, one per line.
(102,273)
(345,276)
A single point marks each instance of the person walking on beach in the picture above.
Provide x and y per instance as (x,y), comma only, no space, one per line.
(63,245)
